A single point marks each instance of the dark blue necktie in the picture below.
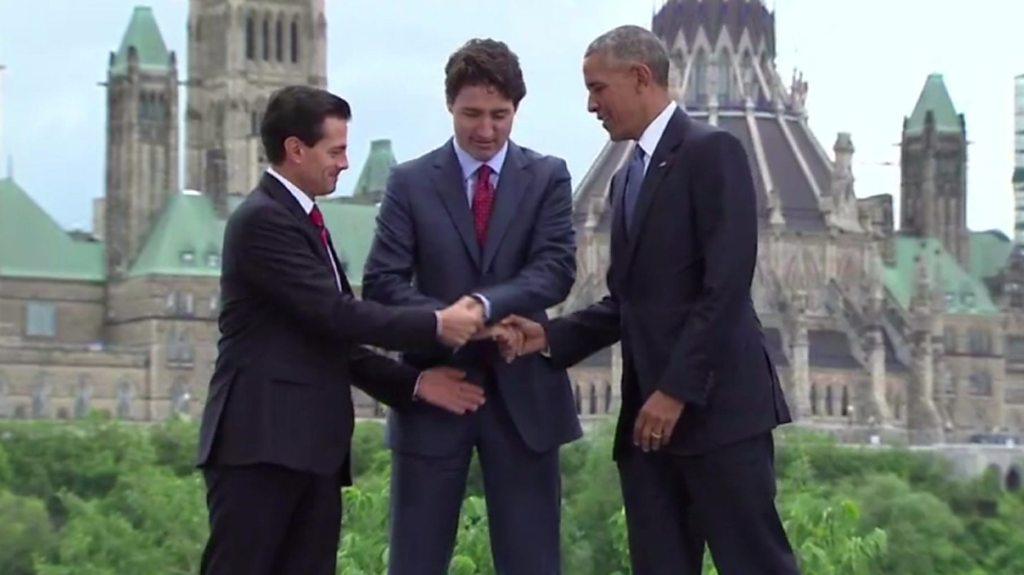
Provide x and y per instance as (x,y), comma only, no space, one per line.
(634,181)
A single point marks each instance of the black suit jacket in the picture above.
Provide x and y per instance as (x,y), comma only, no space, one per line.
(290,344)
(679,295)
(426,253)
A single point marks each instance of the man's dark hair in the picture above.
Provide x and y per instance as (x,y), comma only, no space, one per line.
(484,62)
(298,111)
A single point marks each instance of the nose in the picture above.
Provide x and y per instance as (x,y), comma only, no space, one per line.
(486,129)
(591,104)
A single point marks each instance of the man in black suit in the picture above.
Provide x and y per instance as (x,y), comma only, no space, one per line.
(699,393)
(484,216)
(274,441)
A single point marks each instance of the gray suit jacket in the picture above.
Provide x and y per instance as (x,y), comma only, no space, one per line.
(426,253)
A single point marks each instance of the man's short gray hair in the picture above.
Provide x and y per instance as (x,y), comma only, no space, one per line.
(634,44)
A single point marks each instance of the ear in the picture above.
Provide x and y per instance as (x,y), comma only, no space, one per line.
(293,149)
(644,76)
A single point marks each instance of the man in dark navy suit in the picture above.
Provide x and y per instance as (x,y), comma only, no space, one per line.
(482,216)
(274,441)
(699,393)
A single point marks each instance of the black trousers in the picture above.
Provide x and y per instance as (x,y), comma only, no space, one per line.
(724,498)
(271,520)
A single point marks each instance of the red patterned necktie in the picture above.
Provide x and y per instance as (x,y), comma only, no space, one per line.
(483,202)
(325,238)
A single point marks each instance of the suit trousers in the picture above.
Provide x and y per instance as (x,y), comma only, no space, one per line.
(724,498)
(270,520)
(522,489)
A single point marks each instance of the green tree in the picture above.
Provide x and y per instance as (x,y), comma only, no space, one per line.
(25,533)
(922,530)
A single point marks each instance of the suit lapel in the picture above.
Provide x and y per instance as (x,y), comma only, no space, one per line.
(345,286)
(620,241)
(449,184)
(276,190)
(662,161)
(514,179)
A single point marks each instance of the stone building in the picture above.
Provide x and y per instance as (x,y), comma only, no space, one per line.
(900,333)
(912,334)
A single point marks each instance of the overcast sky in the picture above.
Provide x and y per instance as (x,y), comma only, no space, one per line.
(865,61)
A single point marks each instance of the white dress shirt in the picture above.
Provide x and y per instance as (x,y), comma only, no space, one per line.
(307,206)
(648,141)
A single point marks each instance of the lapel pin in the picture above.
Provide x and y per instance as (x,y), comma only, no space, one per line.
(663,164)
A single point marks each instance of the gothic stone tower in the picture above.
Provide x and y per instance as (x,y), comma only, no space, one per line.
(240,52)
(933,169)
(142,138)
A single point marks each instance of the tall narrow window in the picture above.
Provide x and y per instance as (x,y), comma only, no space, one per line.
(295,41)
(279,40)
(266,39)
(724,79)
(250,38)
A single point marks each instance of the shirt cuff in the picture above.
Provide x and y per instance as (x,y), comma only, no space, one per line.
(440,326)
(416,388)
(484,302)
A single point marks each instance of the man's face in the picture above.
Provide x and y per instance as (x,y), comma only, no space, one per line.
(614,96)
(483,120)
(322,163)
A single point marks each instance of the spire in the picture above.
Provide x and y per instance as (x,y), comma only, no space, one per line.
(374,176)
(144,36)
(935,98)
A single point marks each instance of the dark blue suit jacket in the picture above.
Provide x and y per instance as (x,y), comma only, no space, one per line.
(426,253)
(679,295)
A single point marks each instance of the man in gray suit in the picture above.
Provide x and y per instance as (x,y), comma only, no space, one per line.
(485,219)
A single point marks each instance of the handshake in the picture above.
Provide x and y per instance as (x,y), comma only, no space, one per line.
(464,321)
(459,324)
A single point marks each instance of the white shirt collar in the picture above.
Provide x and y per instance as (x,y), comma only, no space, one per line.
(470,164)
(652,135)
(300,196)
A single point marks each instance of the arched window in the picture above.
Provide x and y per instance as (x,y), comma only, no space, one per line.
(607,397)
(814,400)
(250,37)
(576,398)
(829,408)
(700,78)
(1013,480)
(724,79)
(295,41)
(593,398)
(845,404)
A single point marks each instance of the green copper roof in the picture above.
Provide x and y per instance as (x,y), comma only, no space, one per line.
(989,253)
(144,34)
(186,240)
(352,227)
(964,293)
(374,177)
(32,245)
(935,98)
